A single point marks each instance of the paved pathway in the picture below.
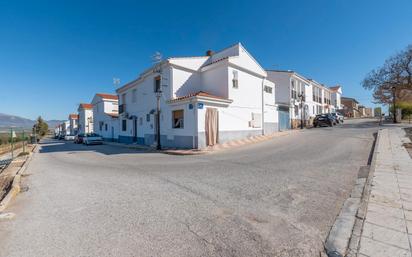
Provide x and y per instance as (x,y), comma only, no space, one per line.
(387,230)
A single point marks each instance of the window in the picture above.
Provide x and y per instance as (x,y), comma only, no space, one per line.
(293,90)
(157,87)
(177,119)
(124,125)
(134,95)
(235,81)
(101,125)
(123,108)
(148,117)
(268,89)
(124,98)
(317,95)
(105,126)
(140,121)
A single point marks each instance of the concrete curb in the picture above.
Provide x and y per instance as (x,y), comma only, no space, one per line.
(15,189)
(341,234)
(15,186)
(229,145)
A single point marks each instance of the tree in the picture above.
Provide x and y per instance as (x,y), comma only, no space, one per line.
(377,111)
(406,110)
(41,127)
(391,78)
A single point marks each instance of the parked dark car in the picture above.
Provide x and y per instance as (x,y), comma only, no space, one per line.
(61,137)
(78,139)
(324,120)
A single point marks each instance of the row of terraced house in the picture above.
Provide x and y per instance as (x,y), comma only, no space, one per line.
(195,102)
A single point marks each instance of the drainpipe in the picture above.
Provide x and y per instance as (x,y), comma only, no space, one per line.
(263,106)
(195,144)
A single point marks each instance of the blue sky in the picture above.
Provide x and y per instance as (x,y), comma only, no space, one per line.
(56,54)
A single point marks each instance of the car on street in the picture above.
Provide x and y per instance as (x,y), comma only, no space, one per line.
(69,138)
(338,117)
(92,139)
(60,137)
(324,120)
(78,139)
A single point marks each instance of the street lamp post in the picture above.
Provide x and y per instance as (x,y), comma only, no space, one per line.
(158,96)
(393,104)
(302,99)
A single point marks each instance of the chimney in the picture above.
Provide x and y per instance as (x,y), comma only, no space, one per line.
(209,52)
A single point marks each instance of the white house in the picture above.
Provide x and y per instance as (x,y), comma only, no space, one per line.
(336,97)
(299,98)
(204,100)
(85,118)
(65,128)
(105,116)
(73,121)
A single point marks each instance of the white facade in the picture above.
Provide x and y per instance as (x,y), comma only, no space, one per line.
(105,116)
(73,121)
(229,82)
(336,97)
(85,118)
(65,128)
(317,98)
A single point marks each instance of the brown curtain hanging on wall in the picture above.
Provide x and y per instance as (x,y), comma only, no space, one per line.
(212,126)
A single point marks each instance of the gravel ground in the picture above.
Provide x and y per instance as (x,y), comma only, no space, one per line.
(277,198)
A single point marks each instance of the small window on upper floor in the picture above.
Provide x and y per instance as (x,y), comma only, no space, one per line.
(134,95)
(235,80)
(293,93)
(124,98)
(157,84)
(268,89)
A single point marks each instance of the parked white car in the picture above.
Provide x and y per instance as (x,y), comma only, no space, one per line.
(69,138)
(92,139)
(338,116)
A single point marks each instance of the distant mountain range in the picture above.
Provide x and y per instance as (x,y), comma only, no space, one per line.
(12,121)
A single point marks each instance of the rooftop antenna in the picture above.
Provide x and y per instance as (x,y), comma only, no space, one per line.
(116,82)
(157,59)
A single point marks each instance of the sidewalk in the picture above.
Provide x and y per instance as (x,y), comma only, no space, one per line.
(387,228)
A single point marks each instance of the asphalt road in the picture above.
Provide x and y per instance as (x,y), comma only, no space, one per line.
(277,198)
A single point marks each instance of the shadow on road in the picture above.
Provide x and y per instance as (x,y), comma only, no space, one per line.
(51,146)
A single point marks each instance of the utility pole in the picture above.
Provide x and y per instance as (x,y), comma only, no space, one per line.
(393,104)
(157,59)
(302,98)
(158,95)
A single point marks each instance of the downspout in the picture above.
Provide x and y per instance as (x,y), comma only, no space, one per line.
(263,107)
(195,145)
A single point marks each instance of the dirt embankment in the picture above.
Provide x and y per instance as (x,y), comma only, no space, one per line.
(7,148)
